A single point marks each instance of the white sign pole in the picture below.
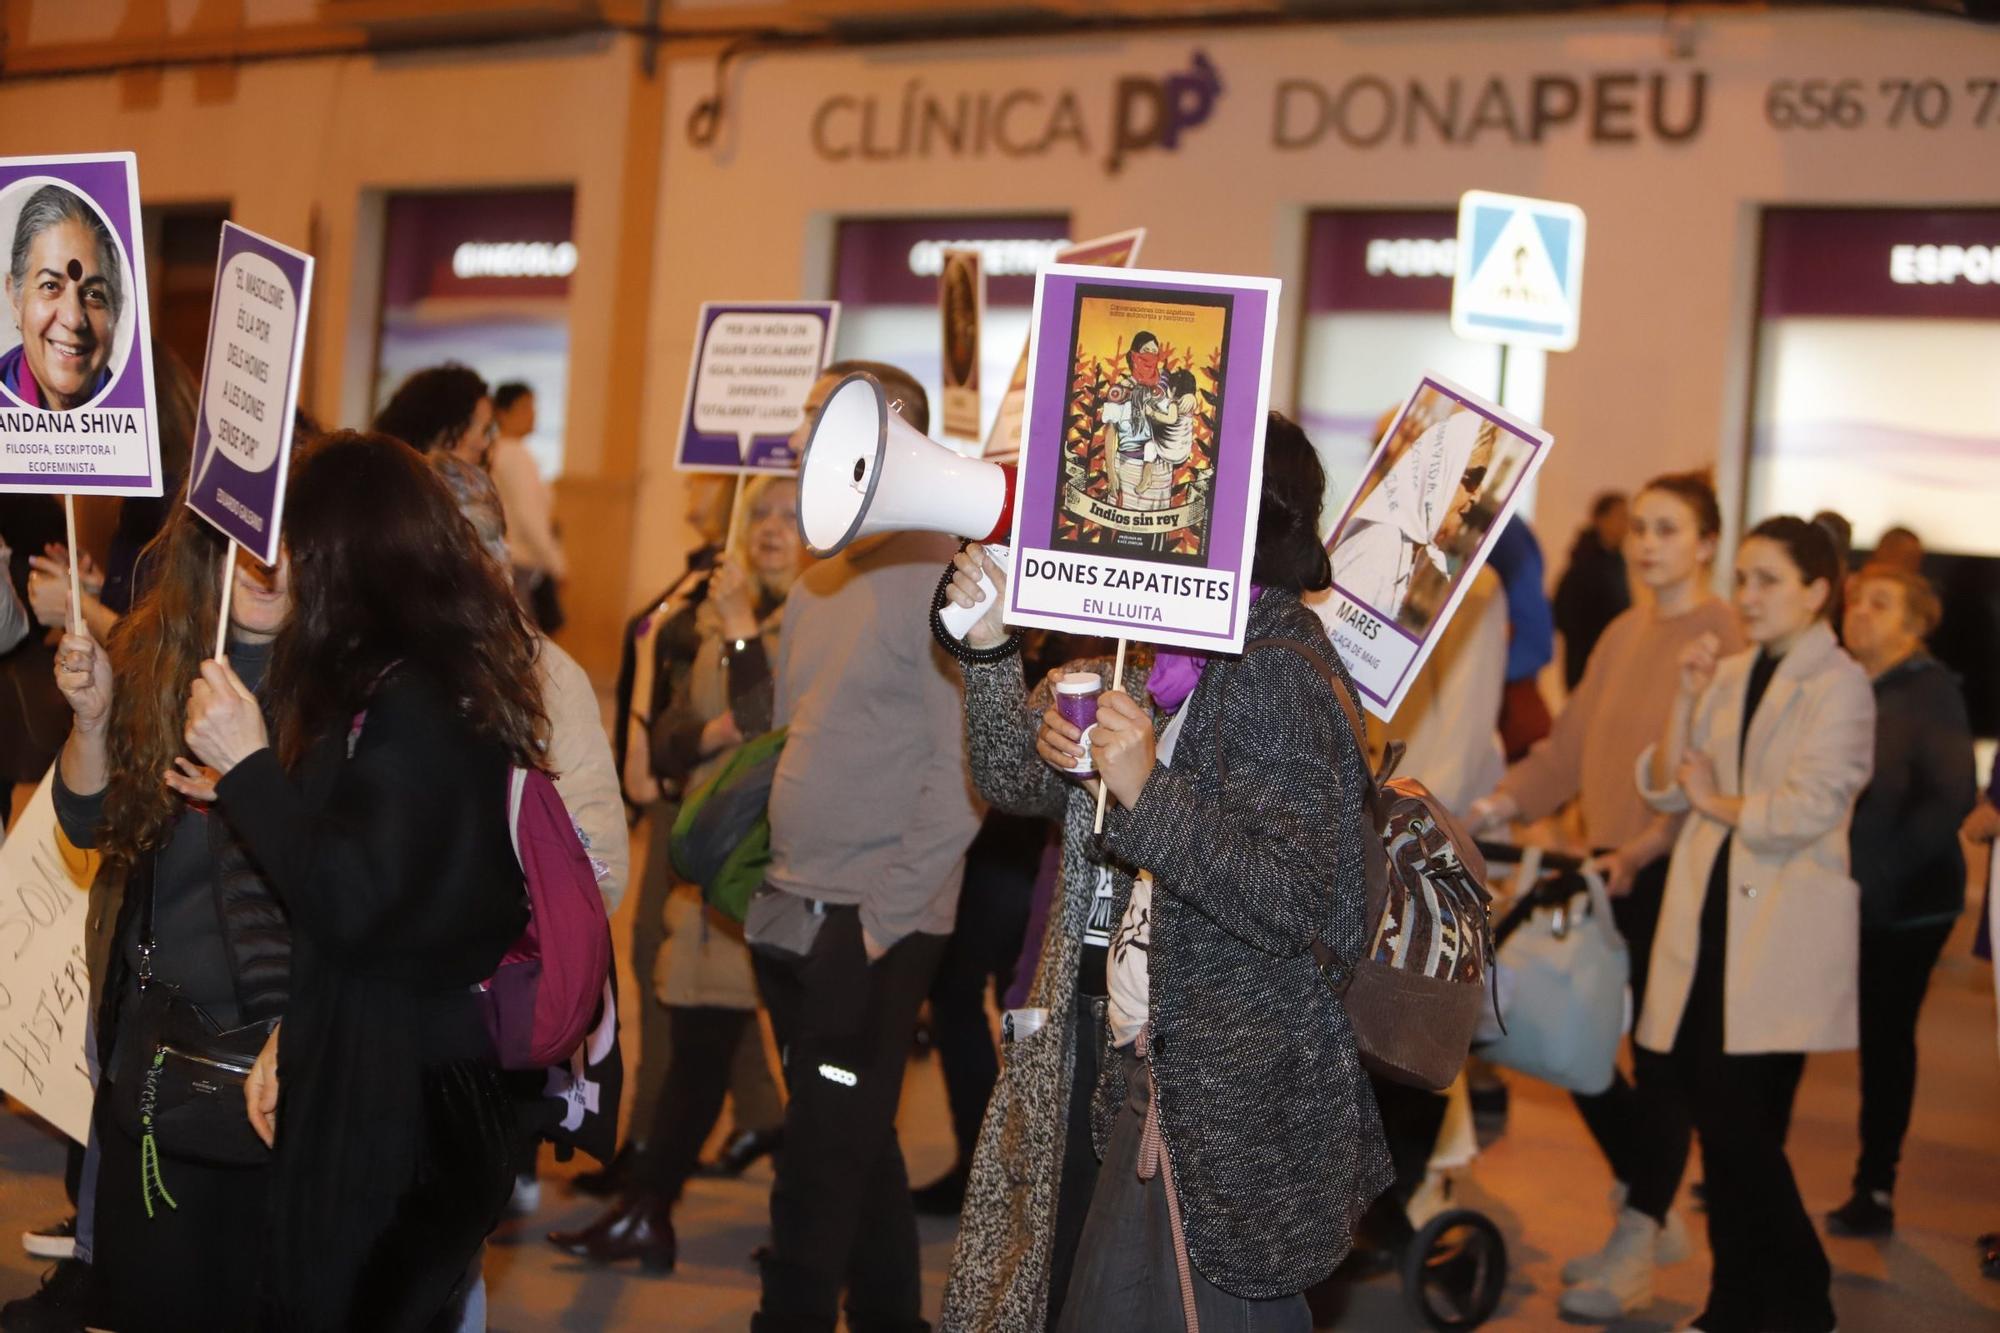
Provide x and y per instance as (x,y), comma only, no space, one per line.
(228,588)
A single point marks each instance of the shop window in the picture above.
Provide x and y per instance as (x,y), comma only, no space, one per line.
(1377,317)
(181,245)
(1875,395)
(482,278)
(886,278)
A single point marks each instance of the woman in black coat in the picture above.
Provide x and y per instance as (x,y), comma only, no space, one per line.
(177,1246)
(404,686)
(1231,1078)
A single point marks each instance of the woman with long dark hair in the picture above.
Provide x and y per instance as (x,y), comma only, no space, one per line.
(1755,961)
(405,688)
(179,909)
(1230,1074)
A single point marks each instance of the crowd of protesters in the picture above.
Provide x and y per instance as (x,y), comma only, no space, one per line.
(306,849)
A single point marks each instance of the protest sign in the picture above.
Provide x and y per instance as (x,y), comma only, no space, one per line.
(754,362)
(961,306)
(1143,454)
(1118,250)
(44,980)
(76,373)
(250,388)
(1439,488)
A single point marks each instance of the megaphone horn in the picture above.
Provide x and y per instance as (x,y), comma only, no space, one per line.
(866,470)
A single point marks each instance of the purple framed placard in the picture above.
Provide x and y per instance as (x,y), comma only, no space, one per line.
(1119,249)
(1142,454)
(754,363)
(77,410)
(250,388)
(1441,485)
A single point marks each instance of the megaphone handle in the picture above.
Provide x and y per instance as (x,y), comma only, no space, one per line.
(959,620)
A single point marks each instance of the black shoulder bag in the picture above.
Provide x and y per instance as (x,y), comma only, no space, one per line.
(177,1083)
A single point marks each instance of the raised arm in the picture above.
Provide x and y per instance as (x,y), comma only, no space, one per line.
(1263,861)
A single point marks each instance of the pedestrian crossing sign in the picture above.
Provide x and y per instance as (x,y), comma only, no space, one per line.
(1520,271)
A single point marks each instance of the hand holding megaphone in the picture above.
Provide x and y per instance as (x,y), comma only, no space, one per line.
(978,579)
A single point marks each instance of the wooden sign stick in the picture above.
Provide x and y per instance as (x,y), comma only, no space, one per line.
(76,625)
(228,588)
(1103,788)
(735,513)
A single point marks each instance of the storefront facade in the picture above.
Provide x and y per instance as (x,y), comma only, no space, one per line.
(1674,136)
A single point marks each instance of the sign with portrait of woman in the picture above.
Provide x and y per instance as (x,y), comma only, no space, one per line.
(1143,454)
(1441,485)
(76,376)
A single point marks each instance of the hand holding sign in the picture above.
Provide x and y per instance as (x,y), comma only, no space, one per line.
(224,724)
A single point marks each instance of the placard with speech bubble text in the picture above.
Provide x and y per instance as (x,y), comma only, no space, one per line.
(753,364)
(250,388)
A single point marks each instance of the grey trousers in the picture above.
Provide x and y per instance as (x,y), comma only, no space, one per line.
(1126,1276)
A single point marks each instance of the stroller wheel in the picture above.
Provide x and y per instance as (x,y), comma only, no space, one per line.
(1455,1270)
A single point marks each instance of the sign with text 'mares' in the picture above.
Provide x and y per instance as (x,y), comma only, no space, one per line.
(1142,454)
(44,979)
(1520,271)
(754,363)
(250,388)
(77,409)
(1120,249)
(1439,488)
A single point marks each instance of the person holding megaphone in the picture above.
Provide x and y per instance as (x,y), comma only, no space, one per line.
(1238,1135)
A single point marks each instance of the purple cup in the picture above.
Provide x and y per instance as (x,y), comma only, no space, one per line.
(1076,700)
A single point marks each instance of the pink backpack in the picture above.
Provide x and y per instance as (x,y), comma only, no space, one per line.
(543,1001)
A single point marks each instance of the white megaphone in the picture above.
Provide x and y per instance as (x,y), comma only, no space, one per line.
(866,470)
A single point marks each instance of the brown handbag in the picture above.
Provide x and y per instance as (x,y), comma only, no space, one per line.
(1414,995)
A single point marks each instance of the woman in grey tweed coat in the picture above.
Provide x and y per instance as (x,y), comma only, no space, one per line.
(1270,1132)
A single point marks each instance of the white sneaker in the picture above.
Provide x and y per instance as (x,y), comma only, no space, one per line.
(1624,1278)
(1676,1246)
(1585,1266)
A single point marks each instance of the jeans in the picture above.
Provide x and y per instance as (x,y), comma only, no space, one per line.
(841,1214)
(1126,1273)
(1895,972)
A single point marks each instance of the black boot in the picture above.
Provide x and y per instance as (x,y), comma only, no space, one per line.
(62,1305)
(638,1226)
(739,1153)
(609,1180)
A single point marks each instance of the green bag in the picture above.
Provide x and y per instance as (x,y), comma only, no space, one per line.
(722,836)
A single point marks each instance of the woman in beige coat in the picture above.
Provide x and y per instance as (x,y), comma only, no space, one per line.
(704,977)
(1757,954)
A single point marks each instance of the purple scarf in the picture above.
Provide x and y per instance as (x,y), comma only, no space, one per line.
(1176,673)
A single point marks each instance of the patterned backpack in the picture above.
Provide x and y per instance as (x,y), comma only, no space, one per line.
(1415,994)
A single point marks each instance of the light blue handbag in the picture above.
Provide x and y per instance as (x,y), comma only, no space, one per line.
(1562,976)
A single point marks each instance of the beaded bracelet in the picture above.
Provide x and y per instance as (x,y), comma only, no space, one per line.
(958,647)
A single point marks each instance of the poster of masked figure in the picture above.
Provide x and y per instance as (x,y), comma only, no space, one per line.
(1442,484)
(1144,452)
(1140,432)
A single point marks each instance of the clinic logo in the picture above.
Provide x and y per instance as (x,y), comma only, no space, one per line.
(919,122)
(1155,113)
